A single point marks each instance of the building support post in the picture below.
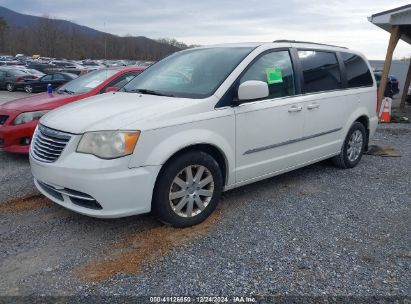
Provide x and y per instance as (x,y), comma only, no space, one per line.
(406,86)
(395,36)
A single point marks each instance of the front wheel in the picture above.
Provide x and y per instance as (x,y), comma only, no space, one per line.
(28,88)
(353,148)
(188,189)
(10,87)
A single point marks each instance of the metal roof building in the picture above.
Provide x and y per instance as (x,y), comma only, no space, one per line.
(398,23)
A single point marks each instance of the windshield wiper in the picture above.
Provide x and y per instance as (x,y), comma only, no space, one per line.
(150,92)
(65,91)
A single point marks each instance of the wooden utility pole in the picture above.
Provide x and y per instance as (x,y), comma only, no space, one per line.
(406,86)
(395,36)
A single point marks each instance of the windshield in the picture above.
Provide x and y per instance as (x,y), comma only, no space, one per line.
(17,73)
(32,71)
(87,82)
(195,73)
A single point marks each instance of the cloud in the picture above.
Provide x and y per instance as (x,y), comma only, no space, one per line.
(214,21)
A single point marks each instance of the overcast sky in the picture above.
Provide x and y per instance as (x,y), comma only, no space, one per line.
(215,21)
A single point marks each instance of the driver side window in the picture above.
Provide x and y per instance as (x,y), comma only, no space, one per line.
(276,70)
(122,81)
(47,78)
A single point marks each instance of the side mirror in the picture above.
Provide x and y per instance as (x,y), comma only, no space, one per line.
(111,89)
(252,89)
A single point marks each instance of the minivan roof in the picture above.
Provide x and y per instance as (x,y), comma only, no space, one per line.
(307,42)
(293,42)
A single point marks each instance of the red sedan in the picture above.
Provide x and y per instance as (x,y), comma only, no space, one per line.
(19,118)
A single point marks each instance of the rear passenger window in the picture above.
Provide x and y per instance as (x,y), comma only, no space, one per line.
(58,77)
(276,70)
(358,74)
(321,71)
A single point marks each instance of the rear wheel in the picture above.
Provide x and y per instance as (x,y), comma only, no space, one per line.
(28,88)
(353,148)
(10,87)
(188,189)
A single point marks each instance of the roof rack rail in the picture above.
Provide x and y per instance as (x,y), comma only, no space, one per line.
(296,41)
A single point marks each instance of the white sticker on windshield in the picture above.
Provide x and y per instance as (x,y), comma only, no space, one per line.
(93,84)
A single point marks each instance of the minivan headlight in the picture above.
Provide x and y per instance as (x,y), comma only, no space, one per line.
(108,144)
(28,116)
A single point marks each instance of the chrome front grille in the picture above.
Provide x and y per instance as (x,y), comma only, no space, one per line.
(48,144)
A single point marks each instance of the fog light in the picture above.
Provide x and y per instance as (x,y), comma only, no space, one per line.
(25,141)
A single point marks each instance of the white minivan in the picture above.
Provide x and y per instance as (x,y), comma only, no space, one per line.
(203,121)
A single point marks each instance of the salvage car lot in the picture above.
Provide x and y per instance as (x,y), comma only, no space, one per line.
(312,231)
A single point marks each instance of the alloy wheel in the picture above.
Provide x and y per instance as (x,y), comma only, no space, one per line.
(9,87)
(28,88)
(191,191)
(355,144)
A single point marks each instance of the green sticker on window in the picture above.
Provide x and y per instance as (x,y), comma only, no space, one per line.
(274,75)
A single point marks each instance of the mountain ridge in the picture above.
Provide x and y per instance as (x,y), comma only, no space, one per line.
(23,25)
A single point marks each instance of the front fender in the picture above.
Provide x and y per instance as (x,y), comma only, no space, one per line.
(155,147)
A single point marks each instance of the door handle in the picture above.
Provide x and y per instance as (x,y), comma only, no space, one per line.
(295,109)
(313,106)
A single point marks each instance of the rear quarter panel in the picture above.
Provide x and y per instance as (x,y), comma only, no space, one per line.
(365,106)
(365,103)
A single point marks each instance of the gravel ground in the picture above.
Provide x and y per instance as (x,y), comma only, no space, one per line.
(318,230)
(15,176)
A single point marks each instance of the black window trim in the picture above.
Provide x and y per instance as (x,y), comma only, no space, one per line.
(229,99)
(343,71)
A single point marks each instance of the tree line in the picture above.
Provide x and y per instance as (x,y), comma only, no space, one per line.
(52,38)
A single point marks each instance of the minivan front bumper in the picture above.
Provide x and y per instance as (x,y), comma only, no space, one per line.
(97,191)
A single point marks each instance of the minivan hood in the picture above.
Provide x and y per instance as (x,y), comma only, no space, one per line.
(113,111)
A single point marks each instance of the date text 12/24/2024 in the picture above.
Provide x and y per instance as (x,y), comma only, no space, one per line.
(182,299)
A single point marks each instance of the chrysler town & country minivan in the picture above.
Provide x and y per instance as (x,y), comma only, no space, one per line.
(203,121)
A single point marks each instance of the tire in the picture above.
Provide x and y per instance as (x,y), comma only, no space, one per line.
(10,87)
(353,148)
(28,88)
(174,181)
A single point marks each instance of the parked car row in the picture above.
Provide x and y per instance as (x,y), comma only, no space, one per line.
(12,79)
(25,72)
(392,88)
(19,118)
(55,79)
(62,64)
(20,77)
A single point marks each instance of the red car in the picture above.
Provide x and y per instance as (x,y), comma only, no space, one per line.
(19,118)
